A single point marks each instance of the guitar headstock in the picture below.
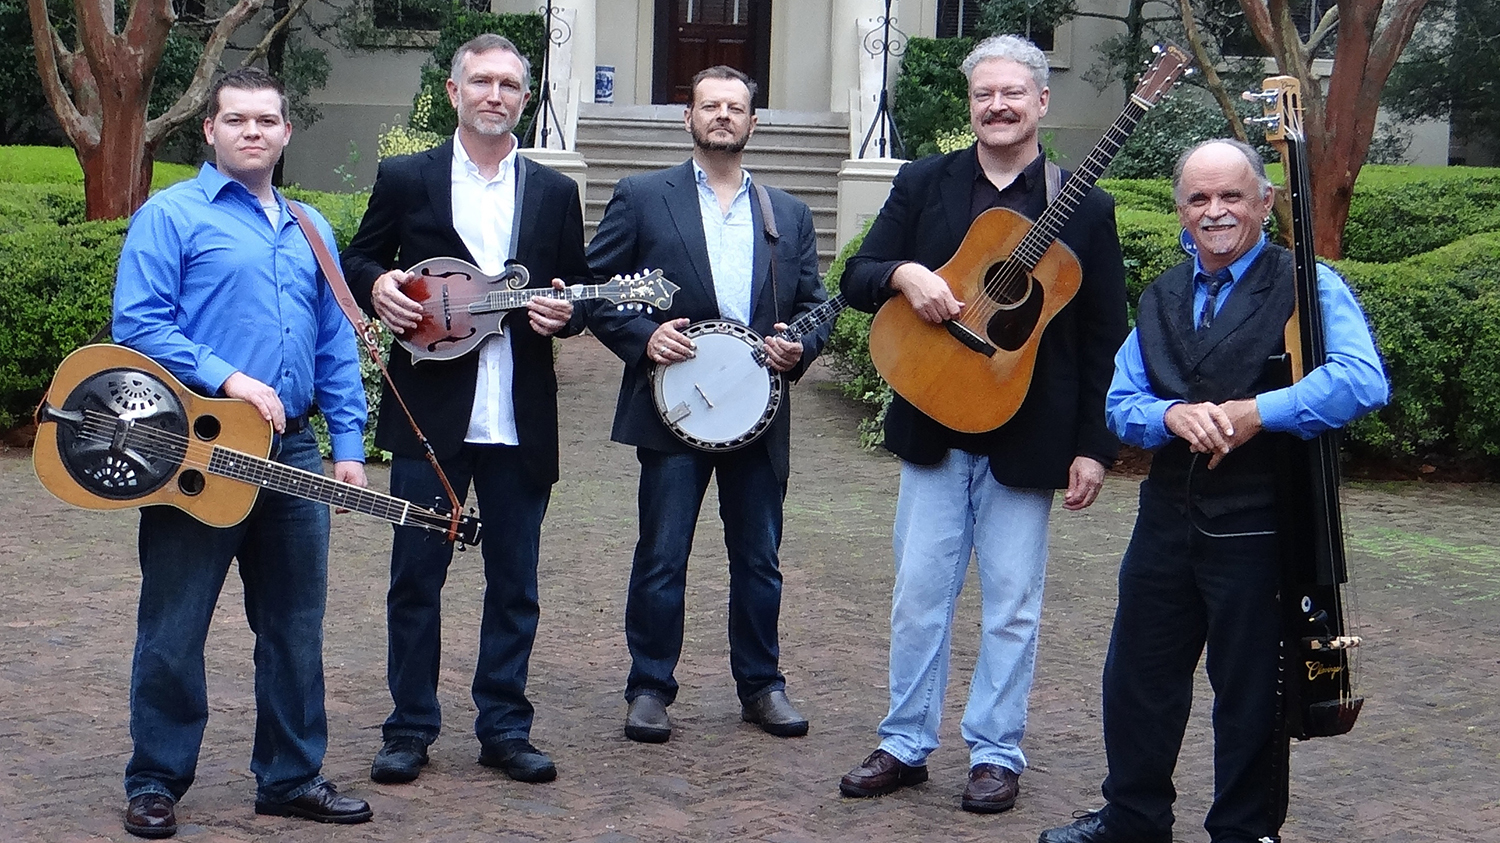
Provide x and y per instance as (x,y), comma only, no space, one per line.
(1170,65)
(647,287)
(1280,98)
(469,530)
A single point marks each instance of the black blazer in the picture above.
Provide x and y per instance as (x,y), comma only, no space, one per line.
(653,222)
(410,219)
(925,220)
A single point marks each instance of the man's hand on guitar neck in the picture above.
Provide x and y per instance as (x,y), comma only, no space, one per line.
(394,308)
(926,291)
(263,398)
(549,315)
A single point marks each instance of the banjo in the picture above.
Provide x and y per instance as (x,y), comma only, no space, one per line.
(725,395)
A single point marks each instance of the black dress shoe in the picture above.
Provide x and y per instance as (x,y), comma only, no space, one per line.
(399,760)
(646,720)
(880,774)
(151,815)
(1089,827)
(991,789)
(518,759)
(322,804)
(774,714)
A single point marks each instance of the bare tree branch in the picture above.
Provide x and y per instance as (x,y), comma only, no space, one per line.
(192,99)
(1326,26)
(265,43)
(148,26)
(1211,78)
(81,131)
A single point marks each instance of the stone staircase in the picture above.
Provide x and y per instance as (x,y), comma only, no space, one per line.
(799,152)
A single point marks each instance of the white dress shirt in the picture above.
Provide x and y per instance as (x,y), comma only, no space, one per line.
(731,246)
(484,211)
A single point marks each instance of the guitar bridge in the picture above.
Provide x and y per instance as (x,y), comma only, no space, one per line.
(971,340)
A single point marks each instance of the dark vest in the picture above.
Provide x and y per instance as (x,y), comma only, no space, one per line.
(1241,355)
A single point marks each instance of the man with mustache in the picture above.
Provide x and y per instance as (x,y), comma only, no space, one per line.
(987,494)
(703,223)
(491,415)
(1196,381)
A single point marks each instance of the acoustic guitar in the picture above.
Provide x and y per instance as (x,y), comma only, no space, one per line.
(972,373)
(127,433)
(462,305)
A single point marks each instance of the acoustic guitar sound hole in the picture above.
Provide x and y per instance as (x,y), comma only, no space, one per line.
(207,428)
(190,482)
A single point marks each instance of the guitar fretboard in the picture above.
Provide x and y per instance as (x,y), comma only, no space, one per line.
(1036,242)
(277,477)
(516,299)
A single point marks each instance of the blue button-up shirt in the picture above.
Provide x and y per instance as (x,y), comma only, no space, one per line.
(207,287)
(1349,384)
(731,246)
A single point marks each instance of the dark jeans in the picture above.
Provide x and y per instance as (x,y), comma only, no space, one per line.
(671,495)
(512,507)
(282,548)
(1180,589)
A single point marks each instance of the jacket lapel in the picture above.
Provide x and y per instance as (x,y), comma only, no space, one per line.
(956,192)
(437,174)
(681,199)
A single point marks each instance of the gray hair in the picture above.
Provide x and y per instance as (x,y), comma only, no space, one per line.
(1252,155)
(483,44)
(1011,48)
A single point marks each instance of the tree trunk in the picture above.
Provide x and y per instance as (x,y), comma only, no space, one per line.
(117,170)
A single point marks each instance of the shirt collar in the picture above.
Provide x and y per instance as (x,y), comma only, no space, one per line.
(507,164)
(1240,264)
(701,176)
(1029,176)
(214,183)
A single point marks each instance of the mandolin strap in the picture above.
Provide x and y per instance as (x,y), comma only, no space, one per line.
(367,335)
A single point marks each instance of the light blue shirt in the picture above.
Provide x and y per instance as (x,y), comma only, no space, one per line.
(207,286)
(1348,385)
(731,246)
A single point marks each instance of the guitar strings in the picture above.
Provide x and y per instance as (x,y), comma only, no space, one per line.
(164,445)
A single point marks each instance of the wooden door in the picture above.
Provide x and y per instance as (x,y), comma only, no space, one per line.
(694,34)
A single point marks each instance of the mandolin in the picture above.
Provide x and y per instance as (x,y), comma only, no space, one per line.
(972,373)
(462,305)
(127,433)
(1317,680)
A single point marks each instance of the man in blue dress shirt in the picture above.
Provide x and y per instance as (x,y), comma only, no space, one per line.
(1192,382)
(217,283)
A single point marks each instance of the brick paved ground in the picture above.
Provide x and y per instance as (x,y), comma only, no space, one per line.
(1422,765)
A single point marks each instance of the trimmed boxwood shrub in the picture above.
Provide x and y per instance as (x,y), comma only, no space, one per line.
(54,294)
(25,205)
(1436,318)
(59,165)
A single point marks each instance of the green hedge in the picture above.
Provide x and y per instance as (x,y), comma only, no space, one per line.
(54,294)
(25,204)
(1436,318)
(1400,211)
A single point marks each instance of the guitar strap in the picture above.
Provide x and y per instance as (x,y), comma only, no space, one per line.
(768,222)
(1054,181)
(366,333)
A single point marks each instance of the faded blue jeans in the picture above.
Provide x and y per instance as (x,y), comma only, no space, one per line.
(282,549)
(945,514)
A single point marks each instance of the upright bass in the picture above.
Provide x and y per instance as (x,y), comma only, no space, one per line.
(1316,652)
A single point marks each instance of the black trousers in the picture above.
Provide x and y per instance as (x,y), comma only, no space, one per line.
(1179,590)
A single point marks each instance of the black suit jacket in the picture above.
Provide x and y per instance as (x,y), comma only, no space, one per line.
(653,222)
(925,220)
(410,219)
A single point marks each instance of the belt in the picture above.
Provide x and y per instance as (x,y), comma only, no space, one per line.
(295,425)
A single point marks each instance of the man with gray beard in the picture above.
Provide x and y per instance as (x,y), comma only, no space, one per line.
(491,414)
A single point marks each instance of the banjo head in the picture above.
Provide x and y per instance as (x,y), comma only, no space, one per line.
(723,398)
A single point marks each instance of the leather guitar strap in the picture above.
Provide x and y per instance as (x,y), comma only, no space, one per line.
(366,333)
(768,222)
(1053,177)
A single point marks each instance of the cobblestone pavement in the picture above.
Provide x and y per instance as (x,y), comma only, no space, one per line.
(1423,763)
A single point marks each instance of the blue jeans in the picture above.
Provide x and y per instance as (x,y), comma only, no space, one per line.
(1180,590)
(945,514)
(671,494)
(282,548)
(512,506)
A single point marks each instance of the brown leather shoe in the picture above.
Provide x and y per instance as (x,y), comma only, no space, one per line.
(991,789)
(151,815)
(322,804)
(880,774)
